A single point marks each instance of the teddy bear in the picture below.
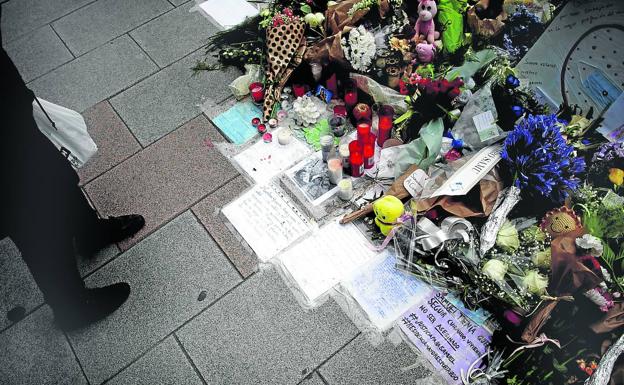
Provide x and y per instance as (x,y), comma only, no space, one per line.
(425,26)
(425,52)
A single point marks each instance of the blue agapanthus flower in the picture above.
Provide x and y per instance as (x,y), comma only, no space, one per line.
(541,160)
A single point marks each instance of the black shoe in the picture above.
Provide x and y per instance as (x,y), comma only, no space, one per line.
(96,305)
(111,230)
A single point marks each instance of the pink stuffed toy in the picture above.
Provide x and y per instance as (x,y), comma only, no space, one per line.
(425,27)
(425,52)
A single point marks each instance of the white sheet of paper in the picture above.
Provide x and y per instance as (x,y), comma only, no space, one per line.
(486,125)
(579,55)
(228,13)
(415,183)
(612,127)
(262,161)
(325,258)
(472,172)
(383,292)
(267,219)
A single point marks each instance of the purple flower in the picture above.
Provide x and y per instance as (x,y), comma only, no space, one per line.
(541,160)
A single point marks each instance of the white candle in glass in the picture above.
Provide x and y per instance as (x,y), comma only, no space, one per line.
(334,168)
(345,187)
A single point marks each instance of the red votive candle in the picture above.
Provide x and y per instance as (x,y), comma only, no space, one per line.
(340,110)
(363,130)
(357,164)
(256,90)
(386,115)
(351,94)
(369,156)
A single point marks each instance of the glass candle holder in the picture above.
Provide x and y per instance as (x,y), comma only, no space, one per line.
(334,169)
(351,94)
(357,164)
(345,189)
(327,146)
(363,131)
(386,117)
(338,125)
(256,90)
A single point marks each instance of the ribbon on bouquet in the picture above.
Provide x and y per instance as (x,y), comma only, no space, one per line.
(433,236)
(540,340)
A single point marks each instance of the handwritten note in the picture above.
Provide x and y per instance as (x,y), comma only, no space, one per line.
(262,161)
(415,183)
(486,126)
(578,58)
(446,334)
(267,220)
(325,258)
(383,292)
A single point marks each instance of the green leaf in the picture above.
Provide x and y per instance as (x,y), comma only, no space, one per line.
(561,368)
(305,8)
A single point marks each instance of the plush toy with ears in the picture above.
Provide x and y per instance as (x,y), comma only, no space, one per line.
(425,26)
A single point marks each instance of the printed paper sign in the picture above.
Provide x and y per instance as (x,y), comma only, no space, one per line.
(446,334)
(486,125)
(472,172)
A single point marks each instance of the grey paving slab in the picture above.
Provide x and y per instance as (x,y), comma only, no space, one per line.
(164,101)
(362,363)
(178,2)
(166,364)
(103,20)
(34,352)
(165,179)
(115,142)
(95,76)
(38,52)
(313,379)
(88,265)
(24,16)
(209,213)
(174,34)
(17,286)
(166,272)
(259,334)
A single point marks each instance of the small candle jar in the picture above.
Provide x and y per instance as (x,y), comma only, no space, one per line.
(337,125)
(267,137)
(386,116)
(363,130)
(334,169)
(255,122)
(327,146)
(261,128)
(362,112)
(256,90)
(281,115)
(351,94)
(357,164)
(345,189)
(369,156)
(299,90)
(273,123)
(284,136)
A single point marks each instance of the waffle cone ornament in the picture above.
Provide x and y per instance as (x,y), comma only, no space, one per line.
(286,45)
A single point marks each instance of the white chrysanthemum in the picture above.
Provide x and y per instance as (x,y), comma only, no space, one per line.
(360,48)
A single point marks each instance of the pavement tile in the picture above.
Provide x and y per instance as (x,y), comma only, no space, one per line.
(103,20)
(89,265)
(362,363)
(314,379)
(166,364)
(165,179)
(115,142)
(164,101)
(167,273)
(178,2)
(24,16)
(17,286)
(209,213)
(259,334)
(34,352)
(95,76)
(37,53)
(174,34)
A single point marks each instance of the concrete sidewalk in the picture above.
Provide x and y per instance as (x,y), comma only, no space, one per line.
(199,311)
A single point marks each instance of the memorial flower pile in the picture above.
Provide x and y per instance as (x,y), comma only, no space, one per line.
(483,186)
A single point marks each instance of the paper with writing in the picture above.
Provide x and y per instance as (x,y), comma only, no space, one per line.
(235,123)
(471,172)
(486,125)
(578,58)
(415,183)
(262,161)
(612,126)
(383,292)
(446,334)
(325,258)
(267,219)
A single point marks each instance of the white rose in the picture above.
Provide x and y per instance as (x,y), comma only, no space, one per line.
(534,282)
(590,243)
(495,269)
